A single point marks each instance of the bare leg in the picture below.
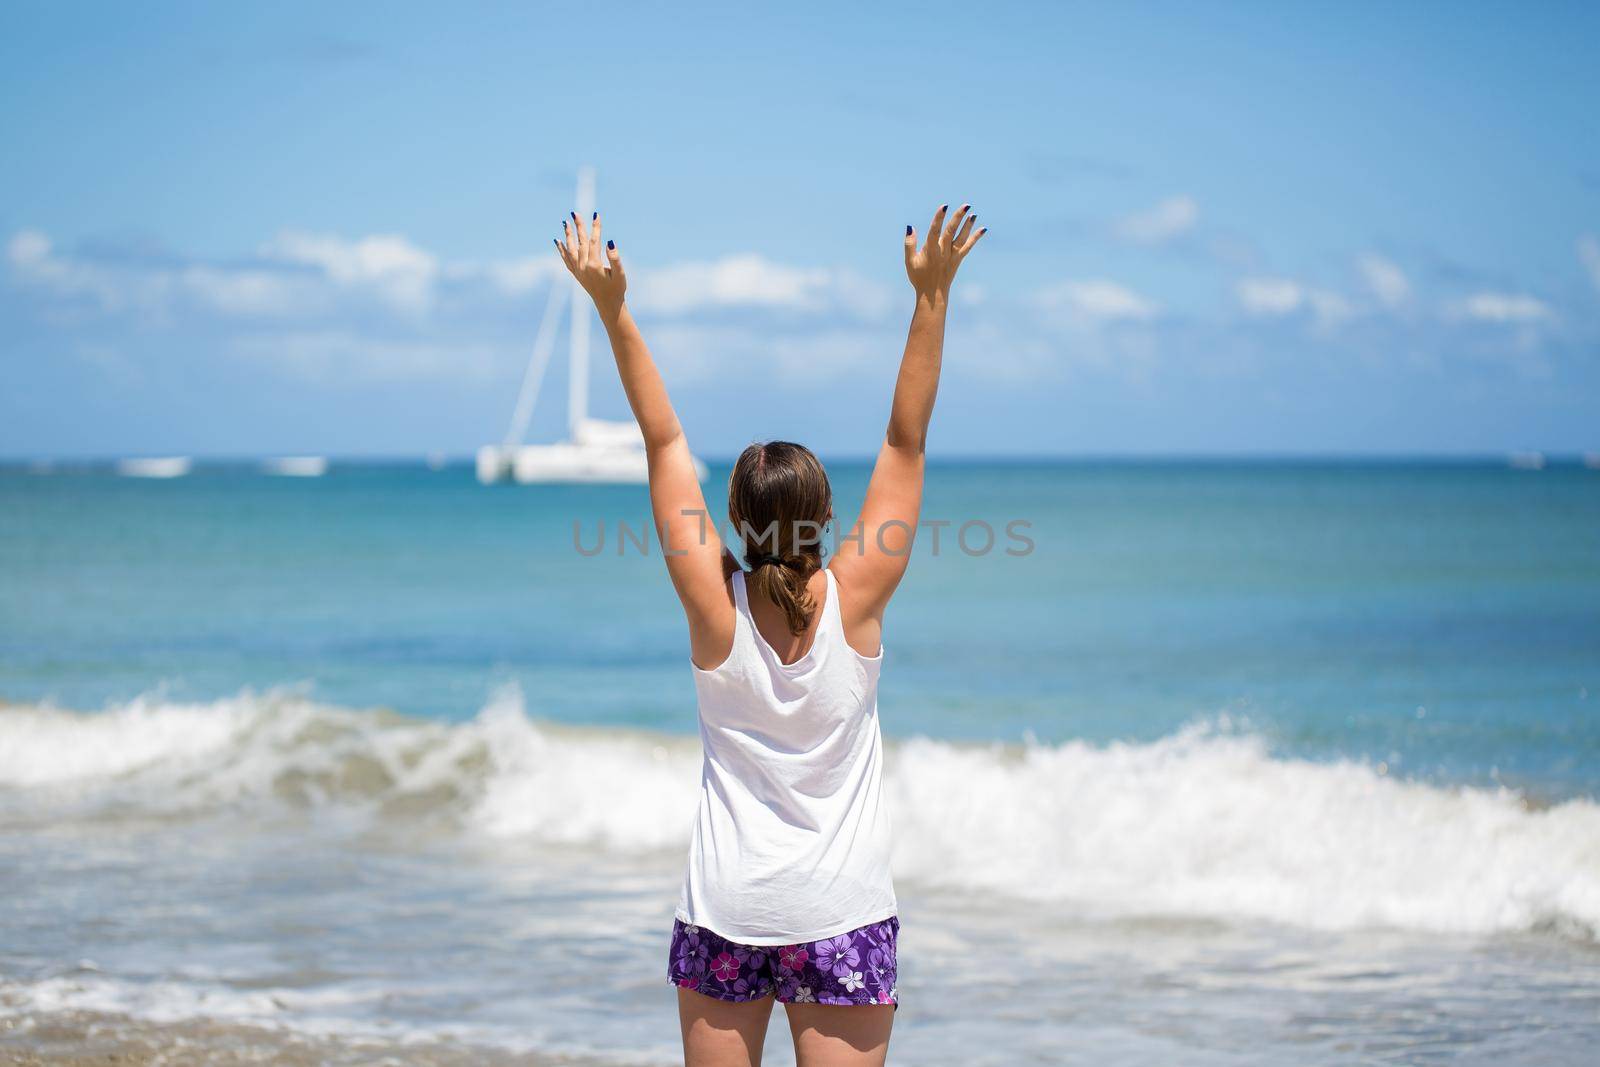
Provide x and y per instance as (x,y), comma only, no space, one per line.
(840,1035)
(721,1033)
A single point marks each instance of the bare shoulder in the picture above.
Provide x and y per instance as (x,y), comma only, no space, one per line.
(711,632)
(860,612)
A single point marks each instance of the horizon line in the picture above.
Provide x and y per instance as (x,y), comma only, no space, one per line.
(448,459)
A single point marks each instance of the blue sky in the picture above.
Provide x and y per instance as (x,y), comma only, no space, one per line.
(1241,228)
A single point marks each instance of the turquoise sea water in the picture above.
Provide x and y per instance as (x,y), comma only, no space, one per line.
(1443,618)
(1241,763)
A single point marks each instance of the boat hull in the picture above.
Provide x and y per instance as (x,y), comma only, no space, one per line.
(567,463)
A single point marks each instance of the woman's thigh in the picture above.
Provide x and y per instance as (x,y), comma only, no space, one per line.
(840,1035)
(721,1033)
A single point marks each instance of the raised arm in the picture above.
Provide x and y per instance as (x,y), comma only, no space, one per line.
(870,565)
(689,536)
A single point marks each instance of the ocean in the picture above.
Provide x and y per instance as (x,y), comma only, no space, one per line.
(1200,762)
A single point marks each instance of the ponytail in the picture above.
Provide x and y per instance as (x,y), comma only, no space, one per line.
(787,583)
(780,499)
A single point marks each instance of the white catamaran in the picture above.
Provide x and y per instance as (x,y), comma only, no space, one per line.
(596,450)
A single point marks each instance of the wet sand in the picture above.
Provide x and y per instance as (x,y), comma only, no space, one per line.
(94,1039)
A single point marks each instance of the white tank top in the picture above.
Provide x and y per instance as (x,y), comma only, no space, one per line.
(791,843)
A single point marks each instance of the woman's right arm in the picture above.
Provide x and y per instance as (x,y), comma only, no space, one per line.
(869,566)
(696,559)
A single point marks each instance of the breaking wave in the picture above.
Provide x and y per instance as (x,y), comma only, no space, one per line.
(1205,823)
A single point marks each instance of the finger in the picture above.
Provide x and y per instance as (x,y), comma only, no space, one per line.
(573,240)
(615,259)
(569,243)
(974,239)
(955,224)
(935,228)
(596,257)
(911,245)
(581,244)
(960,233)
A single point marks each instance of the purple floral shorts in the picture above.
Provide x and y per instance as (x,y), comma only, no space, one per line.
(857,967)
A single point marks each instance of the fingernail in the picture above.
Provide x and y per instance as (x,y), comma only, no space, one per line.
(973,219)
(555,242)
(611,244)
(594,216)
(984,230)
(908,231)
(943,207)
(574,216)
(964,207)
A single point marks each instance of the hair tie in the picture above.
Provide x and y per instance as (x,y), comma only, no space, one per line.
(761,561)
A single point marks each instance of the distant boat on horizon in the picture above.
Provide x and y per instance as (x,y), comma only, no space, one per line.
(297,466)
(596,450)
(155,467)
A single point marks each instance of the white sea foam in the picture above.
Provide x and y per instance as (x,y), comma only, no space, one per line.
(359,1014)
(1201,824)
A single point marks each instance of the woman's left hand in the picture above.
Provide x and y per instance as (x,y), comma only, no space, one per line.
(932,268)
(598,269)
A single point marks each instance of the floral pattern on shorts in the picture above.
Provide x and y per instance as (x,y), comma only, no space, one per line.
(857,967)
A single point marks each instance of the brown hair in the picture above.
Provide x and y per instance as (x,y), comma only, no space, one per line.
(779,500)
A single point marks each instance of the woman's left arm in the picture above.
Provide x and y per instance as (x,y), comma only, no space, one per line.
(689,537)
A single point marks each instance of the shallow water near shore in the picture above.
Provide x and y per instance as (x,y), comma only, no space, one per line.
(294,940)
(294,937)
(1243,764)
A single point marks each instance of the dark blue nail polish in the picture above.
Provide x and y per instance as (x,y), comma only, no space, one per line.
(944,207)
(574,216)
(908,231)
(611,244)
(594,216)
(973,219)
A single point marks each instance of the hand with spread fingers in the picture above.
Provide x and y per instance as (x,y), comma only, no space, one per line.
(932,267)
(597,267)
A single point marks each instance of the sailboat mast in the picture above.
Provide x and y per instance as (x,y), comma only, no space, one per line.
(533,377)
(578,365)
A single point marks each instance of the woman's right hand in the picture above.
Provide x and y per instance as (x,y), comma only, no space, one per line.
(598,270)
(933,267)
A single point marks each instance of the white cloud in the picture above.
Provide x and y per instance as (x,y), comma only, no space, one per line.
(387,264)
(1172,217)
(35,262)
(326,308)
(245,292)
(1504,307)
(735,281)
(1098,300)
(294,276)
(1276,297)
(28,248)
(515,277)
(1589,256)
(503,277)
(1329,307)
(1269,296)
(1386,280)
(751,281)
